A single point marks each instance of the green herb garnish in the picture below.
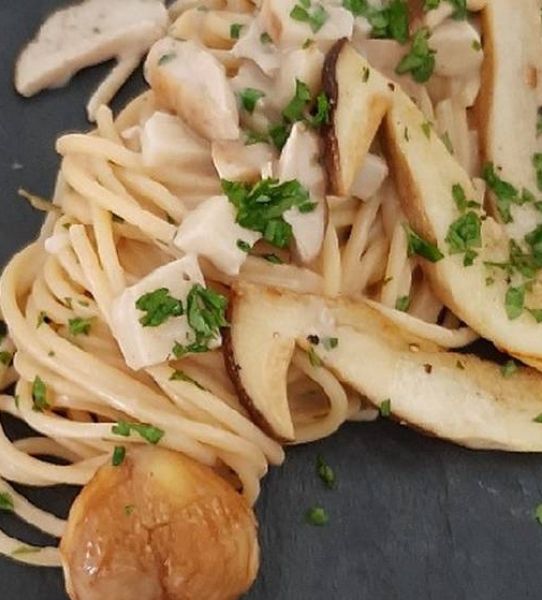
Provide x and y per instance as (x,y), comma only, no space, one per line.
(508,369)
(325,472)
(159,306)
(149,433)
(39,395)
(514,302)
(315,17)
(330,343)
(178,375)
(314,359)
(6,502)
(417,245)
(385,408)
(79,326)
(317,516)
(420,60)
(464,234)
(119,454)
(235,30)
(402,303)
(249,98)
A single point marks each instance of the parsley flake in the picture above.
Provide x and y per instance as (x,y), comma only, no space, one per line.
(385,408)
(179,375)
(514,302)
(79,326)
(464,234)
(330,343)
(402,303)
(420,60)
(119,454)
(39,395)
(235,30)
(149,433)
(316,17)
(325,472)
(6,358)
(505,193)
(317,516)
(249,98)
(390,21)
(6,502)
(417,245)
(314,359)
(159,306)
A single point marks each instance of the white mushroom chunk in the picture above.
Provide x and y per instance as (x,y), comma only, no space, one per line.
(211,231)
(370,177)
(300,160)
(166,139)
(143,344)
(253,45)
(189,80)
(458,48)
(236,161)
(87,34)
(332,23)
(304,65)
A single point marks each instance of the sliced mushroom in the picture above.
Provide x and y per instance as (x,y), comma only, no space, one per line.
(454,396)
(359,97)
(426,173)
(86,34)
(189,80)
(510,97)
(300,160)
(159,526)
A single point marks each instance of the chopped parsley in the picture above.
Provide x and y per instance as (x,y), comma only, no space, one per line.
(129,509)
(149,433)
(26,550)
(325,472)
(178,375)
(260,207)
(279,134)
(235,30)
(249,98)
(6,358)
(476,46)
(538,419)
(315,17)
(390,21)
(295,109)
(417,245)
(508,369)
(39,395)
(79,326)
(159,306)
(6,502)
(317,516)
(119,454)
(420,60)
(205,311)
(321,117)
(255,137)
(447,142)
(385,408)
(244,246)
(265,38)
(402,303)
(464,234)
(314,359)
(426,128)
(460,198)
(505,193)
(514,301)
(536,313)
(330,343)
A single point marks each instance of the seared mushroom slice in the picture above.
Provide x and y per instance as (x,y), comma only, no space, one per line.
(426,175)
(509,100)
(359,97)
(159,525)
(453,396)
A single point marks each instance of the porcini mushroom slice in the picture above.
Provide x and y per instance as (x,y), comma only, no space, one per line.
(454,396)
(359,97)
(159,525)
(426,175)
(509,100)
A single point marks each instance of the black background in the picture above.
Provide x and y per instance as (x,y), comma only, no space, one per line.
(411,519)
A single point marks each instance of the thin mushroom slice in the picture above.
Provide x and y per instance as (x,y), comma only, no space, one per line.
(359,97)
(508,104)
(437,195)
(453,396)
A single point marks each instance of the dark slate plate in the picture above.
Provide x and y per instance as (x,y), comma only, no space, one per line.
(412,518)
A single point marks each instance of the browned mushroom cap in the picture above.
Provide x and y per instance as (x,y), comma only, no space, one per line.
(159,527)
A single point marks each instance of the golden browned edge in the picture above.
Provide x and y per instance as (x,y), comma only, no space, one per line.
(483,107)
(233,369)
(332,159)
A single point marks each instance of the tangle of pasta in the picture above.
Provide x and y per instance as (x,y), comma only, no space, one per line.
(111,223)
